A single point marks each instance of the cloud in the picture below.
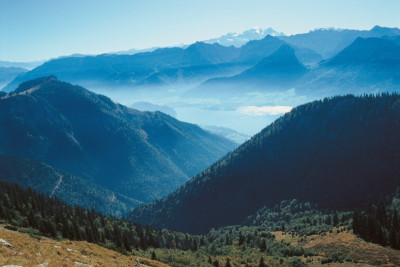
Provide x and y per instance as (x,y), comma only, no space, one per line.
(263,110)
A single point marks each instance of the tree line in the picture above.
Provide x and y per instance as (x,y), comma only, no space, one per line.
(380,223)
(53,218)
(38,214)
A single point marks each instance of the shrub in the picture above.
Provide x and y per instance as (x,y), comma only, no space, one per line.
(326,260)
(30,231)
(11,227)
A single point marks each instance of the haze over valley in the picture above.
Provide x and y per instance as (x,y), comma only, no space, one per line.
(213,84)
(201,133)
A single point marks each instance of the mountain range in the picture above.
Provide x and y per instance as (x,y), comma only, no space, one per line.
(340,153)
(316,186)
(280,70)
(239,39)
(194,64)
(329,42)
(203,64)
(141,155)
(368,65)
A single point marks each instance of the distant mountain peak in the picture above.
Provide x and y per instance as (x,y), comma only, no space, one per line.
(200,44)
(376,27)
(282,60)
(329,42)
(281,68)
(239,39)
(364,50)
(283,53)
(385,30)
(333,29)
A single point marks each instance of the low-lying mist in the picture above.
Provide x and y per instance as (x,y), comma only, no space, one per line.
(246,113)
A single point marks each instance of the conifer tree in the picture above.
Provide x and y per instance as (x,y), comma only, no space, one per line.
(228,263)
(241,239)
(263,246)
(335,219)
(261,262)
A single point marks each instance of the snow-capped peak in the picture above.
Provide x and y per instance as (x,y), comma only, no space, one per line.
(239,39)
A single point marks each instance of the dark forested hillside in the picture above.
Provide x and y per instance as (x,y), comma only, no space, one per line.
(36,214)
(142,155)
(71,189)
(339,153)
(40,214)
(380,223)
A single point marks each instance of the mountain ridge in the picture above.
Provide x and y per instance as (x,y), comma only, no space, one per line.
(328,42)
(368,65)
(279,71)
(302,155)
(142,155)
(197,60)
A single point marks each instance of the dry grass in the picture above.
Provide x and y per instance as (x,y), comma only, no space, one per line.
(28,251)
(367,254)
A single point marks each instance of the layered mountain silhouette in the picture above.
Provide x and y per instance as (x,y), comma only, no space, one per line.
(138,69)
(196,63)
(239,39)
(339,153)
(7,74)
(143,155)
(329,42)
(256,50)
(57,183)
(367,65)
(278,71)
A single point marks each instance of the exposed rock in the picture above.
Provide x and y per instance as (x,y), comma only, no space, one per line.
(5,243)
(83,264)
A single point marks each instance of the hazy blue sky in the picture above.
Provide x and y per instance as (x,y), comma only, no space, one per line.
(42,29)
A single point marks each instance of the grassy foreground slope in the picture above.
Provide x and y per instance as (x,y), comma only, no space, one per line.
(29,251)
(45,230)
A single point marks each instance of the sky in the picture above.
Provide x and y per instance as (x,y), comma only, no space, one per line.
(41,29)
